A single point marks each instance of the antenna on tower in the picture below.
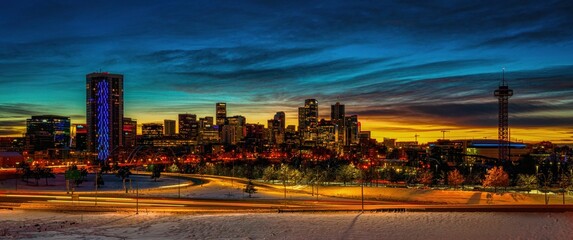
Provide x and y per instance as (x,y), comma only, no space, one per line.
(503,76)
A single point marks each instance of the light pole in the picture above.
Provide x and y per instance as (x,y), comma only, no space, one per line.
(137,197)
(96,185)
(362,190)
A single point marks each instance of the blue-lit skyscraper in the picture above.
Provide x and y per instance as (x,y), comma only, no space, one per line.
(104,113)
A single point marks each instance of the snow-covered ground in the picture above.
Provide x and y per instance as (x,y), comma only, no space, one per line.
(111,183)
(19,224)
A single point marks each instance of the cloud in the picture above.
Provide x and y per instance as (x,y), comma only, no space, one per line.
(20,109)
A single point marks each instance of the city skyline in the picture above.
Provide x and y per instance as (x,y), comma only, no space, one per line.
(404,69)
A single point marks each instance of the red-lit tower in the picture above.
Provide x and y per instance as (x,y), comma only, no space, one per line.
(503,93)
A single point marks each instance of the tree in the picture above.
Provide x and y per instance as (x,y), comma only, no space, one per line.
(426,178)
(347,173)
(99,179)
(269,174)
(545,180)
(565,184)
(496,177)
(123,173)
(527,181)
(250,188)
(455,178)
(156,172)
(47,173)
(37,174)
(173,168)
(295,176)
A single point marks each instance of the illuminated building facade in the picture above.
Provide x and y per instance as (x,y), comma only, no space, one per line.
(352,129)
(186,125)
(104,113)
(129,132)
(308,120)
(150,132)
(169,127)
(337,116)
(221,113)
(80,137)
(47,131)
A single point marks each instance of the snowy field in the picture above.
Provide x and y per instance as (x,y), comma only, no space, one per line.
(19,224)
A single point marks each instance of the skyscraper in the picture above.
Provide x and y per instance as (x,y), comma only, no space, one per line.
(104,113)
(337,116)
(221,113)
(281,117)
(186,123)
(277,128)
(352,129)
(169,127)
(308,119)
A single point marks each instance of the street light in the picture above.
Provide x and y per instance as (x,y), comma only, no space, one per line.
(362,189)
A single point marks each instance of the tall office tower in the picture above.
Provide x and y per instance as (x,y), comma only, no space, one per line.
(221,113)
(186,122)
(47,131)
(104,113)
(503,93)
(80,137)
(308,119)
(337,116)
(169,127)
(352,129)
(129,132)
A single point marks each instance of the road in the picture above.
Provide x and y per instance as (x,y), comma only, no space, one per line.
(271,200)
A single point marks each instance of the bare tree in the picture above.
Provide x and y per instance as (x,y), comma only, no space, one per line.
(565,184)
(527,181)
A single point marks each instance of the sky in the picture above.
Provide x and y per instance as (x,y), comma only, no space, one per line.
(404,67)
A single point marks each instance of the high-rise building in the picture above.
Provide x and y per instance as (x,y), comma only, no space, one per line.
(129,132)
(205,123)
(80,137)
(326,134)
(221,113)
(281,118)
(47,131)
(186,122)
(104,113)
(150,132)
(169,127)
(352,129)
(337,116)
(308,119)
(234,130)
(277,128)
